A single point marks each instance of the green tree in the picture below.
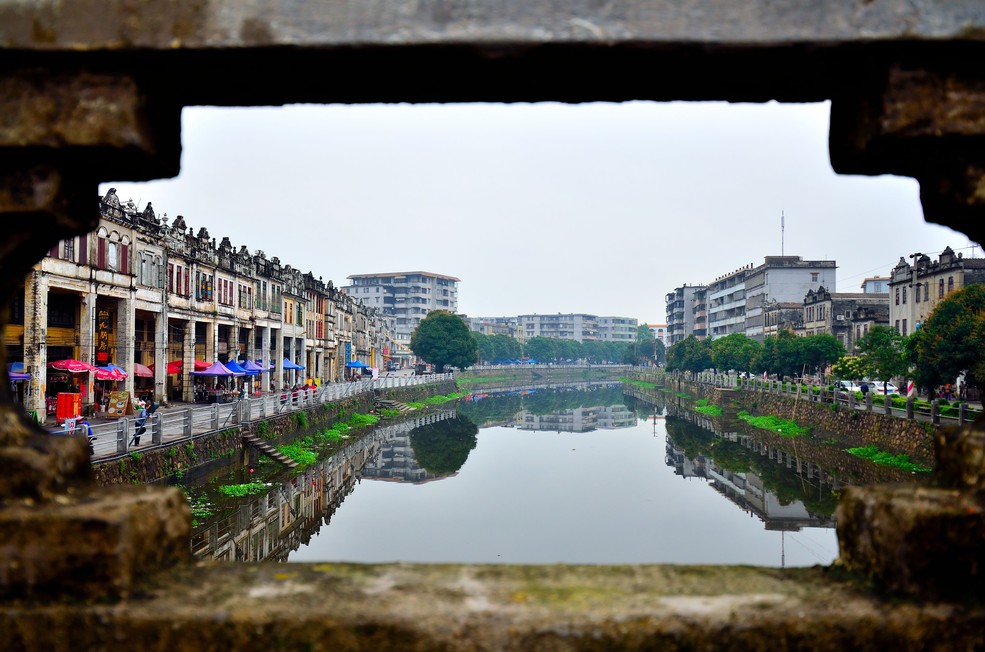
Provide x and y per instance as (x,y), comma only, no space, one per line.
(782,354)
(568,350)
(507,348)
(952,339)
(645,349)
(486,346)
(819,351)
(690,354)
(736,351)
(542,349)
(883,353)
(444,339)
(849,367)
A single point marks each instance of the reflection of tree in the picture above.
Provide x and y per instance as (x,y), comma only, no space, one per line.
(643,409)
(541,402)
(784,483)
(443,447)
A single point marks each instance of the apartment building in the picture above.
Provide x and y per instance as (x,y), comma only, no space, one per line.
(848,316)
(916,289)
(681,312)
(617,329)
(580,327)
(408,297)
(782,279)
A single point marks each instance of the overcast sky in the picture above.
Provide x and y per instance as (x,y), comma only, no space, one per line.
(540,208)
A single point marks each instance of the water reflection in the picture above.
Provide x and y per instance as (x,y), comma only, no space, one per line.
(570,476)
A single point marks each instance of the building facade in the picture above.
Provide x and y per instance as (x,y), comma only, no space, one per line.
(848,316)
(580,327)
(916,289)
(680,312)
(138,291)
(408,297)
(618,329)
(781,279)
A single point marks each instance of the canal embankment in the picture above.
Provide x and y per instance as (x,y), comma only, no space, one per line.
(206,452)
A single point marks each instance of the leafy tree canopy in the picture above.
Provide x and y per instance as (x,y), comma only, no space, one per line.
(442,447)
(444,339)
(952,340)
(883,353)
(736,351)
(690,354)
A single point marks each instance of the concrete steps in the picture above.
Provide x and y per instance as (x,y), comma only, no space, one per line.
(269,451)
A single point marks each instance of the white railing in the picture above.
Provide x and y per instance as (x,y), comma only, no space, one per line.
(116,438)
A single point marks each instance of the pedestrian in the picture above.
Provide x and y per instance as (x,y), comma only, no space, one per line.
(864,388)
(139,428)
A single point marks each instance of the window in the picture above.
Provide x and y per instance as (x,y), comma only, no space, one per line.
(68,249)
(940,289)
(897,326)
(926,291)
(897,296)
(814,276)
(904,328)
(950,284)
(904,296)
(916,294)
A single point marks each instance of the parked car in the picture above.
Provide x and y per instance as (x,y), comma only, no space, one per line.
(878,387)
(848,386)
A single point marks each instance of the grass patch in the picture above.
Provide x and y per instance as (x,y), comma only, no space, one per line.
(439,399)
(882,458)
(417,405)
(389,413)
(300,451)
(248,489)
(704,406)
(642,384)
(783,427)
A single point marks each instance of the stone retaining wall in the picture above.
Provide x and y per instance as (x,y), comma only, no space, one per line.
(210,451)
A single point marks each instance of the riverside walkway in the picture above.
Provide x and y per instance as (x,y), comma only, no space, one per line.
(184,421)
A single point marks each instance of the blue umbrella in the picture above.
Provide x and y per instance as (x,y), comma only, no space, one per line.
(291,365)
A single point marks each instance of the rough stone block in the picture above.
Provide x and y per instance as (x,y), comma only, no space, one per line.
(91,545)
(922,541)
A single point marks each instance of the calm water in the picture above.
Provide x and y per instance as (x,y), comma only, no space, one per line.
(619,489)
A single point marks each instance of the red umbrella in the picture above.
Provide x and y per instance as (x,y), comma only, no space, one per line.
(201,365)
(174,367)
(142,370)
(110,372)
(73,366)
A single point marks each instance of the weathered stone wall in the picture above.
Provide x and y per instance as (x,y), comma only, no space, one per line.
(222,448)
(848,428)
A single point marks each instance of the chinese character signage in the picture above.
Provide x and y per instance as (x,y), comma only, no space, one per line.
(102,337)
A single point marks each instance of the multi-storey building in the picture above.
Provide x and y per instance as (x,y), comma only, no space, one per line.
(915,290)
(783,316)
(406,296)
(617,329)
(848,316)
(138,291)
(781,279)
(680,313)
(659,333)
(726,303)
(492,325)
(580,327)
(876,285)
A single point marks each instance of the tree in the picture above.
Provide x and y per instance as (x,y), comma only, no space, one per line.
(690,354)
(442,447)
(849,367)
(645,349)
(736,351)
(486,347)
(883,353)
(819,351)
(507,348)
(444,339)
(952,339)
(541,348)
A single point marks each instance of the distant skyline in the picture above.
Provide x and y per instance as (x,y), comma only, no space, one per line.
(542,208)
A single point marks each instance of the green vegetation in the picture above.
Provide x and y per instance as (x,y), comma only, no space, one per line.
(439,399)
(389,413)
(136,457)
(442,448)
(263,429)
(877,456)
(444,339)
(300,451)
(642,384)
(704,406)
(774,424)
(300,419)
(248,489)
(417,405)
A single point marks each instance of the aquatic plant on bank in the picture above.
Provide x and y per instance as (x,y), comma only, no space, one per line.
(642,384)
(439,399)
(704,406)
(881,457)
(248,489)
(782,427)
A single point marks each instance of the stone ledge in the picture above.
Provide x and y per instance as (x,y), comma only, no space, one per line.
(453,607)
(91,545)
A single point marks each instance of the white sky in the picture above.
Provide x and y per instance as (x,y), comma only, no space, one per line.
(540,208)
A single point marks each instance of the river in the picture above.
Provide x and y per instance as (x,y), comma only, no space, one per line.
(541,477)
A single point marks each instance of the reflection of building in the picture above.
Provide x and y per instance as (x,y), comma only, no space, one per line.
(615,417)
(396,461)
(747,489)
(273,525)
(576,420)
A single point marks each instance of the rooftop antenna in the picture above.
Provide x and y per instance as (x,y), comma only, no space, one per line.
(781,233)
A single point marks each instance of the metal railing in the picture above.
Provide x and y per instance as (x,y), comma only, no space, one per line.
(115,439)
